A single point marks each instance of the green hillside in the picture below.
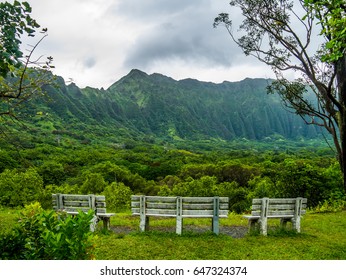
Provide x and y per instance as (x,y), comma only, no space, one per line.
(155,107)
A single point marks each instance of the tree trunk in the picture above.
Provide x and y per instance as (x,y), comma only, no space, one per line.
(341,79)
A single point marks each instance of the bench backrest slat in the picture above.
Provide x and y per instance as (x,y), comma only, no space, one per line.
(169,206)
(76,203)
(279,206)
(159,199)
(204,199)
(203,213)
(277,200)
(161,212)
(155,205)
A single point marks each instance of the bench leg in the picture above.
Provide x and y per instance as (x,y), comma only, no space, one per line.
(179,225)
(252,225)
(296,223)
(215,224)
(263,226)
(144,223)
(283,222)
(106,222)
(93,223)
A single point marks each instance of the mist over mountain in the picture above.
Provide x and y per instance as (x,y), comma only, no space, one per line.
(157,107)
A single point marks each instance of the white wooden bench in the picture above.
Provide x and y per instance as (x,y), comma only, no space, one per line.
(179,207)
(285,209)
(74,203)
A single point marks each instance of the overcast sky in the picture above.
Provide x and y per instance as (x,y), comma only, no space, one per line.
(96,42)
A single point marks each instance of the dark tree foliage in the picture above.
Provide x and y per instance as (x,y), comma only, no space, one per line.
(19,79)
(15,20)
(282,34)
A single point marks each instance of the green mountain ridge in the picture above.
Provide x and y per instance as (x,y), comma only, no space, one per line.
(157,107)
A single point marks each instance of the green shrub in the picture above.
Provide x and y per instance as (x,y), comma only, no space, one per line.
(209,186)
(94,183)
(118,197)
(70,238)
(335,203)
(164,190)
(45,198)
(261,187)
(19,188)
(52,173)
(48,235)
(238,200)
(204,186)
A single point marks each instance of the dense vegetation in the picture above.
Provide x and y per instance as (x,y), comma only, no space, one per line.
(240,170)
(155,107)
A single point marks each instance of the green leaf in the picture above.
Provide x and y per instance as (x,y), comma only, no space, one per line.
(27,6)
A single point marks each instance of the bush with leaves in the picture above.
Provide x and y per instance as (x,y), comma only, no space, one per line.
(45,198)
(94,183)
(52,172)
(209,186)
(47,235)
(261,187)
(20,188)
(335,203)
(118,197)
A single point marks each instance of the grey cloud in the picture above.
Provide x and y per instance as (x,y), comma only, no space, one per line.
(89,62)
(188,35)
(145,10)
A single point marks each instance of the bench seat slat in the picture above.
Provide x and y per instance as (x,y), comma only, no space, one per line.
(76,209)
(105,214)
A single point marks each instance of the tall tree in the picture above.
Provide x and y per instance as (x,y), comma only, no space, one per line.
(307,37)
(20,78)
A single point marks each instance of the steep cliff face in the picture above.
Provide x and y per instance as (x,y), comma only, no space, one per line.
(161,107)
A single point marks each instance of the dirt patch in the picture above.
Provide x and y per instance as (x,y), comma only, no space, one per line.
(234,231)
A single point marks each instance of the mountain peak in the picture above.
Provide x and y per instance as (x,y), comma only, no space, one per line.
(136,73)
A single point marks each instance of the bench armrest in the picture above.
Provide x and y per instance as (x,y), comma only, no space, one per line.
(105,214)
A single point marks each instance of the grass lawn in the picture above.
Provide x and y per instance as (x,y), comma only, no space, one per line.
(323,237)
